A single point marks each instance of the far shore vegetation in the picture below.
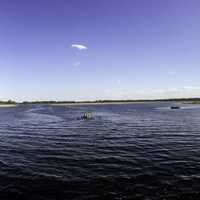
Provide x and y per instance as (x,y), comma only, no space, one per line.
(9,102)
(181,100)
(196,102)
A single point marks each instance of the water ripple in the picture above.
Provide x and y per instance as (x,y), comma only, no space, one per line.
(135,151)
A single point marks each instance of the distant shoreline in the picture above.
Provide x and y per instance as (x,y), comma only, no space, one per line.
(7,105)
(11,103)
(93,103)
(106,101)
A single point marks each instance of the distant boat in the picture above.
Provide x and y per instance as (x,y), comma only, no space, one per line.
(87,115)
(175,107)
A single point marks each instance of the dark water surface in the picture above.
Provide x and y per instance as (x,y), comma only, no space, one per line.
(133,151)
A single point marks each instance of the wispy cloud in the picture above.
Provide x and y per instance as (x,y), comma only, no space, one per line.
(118,81)
(191,88)
(172,73)
(182,92)
(76,64)
(79,46)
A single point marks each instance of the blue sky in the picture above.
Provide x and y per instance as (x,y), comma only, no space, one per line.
(131,49)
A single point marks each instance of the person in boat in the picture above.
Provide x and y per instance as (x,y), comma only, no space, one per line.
(86,115)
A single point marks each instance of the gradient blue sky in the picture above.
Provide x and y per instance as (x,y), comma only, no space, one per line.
(136,49)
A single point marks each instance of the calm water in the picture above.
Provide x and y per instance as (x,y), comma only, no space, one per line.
(135,151)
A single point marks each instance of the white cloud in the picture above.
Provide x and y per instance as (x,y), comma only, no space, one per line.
(182,92)
(191,88)
(167,93)
(79,46)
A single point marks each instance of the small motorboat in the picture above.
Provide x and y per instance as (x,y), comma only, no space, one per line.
(86,115)
(175,107)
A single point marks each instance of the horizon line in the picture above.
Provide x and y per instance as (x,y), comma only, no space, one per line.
(100,100)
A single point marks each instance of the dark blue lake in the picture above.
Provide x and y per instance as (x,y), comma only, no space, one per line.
(127,151)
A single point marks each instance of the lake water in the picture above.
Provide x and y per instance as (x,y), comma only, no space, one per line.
(129,151)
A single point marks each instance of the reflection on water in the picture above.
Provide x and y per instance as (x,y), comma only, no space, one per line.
(140,151)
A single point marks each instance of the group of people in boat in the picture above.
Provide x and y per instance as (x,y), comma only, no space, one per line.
(86,115)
